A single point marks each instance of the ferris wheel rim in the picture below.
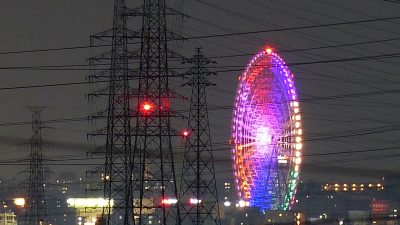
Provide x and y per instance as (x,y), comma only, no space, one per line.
(292,102)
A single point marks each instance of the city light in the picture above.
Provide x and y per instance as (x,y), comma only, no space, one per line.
(194,201)
(282,159)
(242,203)
(227,203)
(353,187)
(89,202)
(19,202)
(169,201)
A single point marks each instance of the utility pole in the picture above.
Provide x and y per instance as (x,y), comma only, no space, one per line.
(36,210)
(154,185)
(198,192)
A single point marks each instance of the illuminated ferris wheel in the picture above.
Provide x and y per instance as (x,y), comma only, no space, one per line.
(267,134)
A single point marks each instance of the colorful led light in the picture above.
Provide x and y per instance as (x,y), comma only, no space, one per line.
(267,134)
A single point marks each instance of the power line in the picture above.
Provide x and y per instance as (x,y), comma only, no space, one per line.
(294,28)
(47,85)
(61,120)
(53,49)
(66,158)
(312,99)
(392,1)
(207,36)
(66,67)
(305,36)
(313,48)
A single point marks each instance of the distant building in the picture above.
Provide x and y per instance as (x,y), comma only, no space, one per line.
(384,212)
(358,217)
(8,218)
(352,187)
(337,199)
(235,215)
(350,203)
(239,213)
(88,210)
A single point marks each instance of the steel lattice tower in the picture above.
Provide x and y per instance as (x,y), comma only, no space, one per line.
(198,192)
(117,175)
(36,211)
(154,185)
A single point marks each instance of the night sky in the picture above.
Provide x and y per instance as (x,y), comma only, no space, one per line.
(366,121)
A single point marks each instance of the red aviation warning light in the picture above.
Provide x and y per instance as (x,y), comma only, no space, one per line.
(146,108)
(185,134)
(269,50)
